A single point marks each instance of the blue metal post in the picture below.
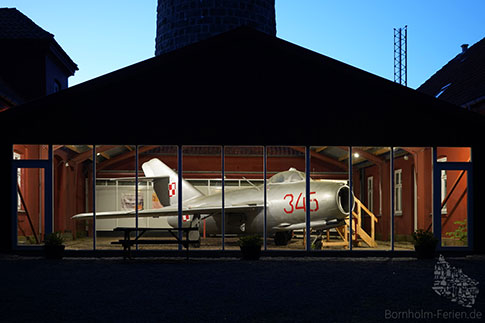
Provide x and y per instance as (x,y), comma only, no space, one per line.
(94,197)
(351,198)
(265,197)
(470,214)
(136,192)
(391,161)
(14,203)
(307,194)
(180,179)
(435,188)
(48,196)
(223,198)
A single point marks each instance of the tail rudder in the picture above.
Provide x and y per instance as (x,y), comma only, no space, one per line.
(156,168)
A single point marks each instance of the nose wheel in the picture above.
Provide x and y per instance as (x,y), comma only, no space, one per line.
(282,238)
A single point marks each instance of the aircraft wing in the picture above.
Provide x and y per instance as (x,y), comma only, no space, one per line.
(173,211)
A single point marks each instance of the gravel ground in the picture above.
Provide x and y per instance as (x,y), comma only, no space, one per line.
(217,290)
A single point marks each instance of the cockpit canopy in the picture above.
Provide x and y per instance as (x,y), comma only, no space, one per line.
(289,176)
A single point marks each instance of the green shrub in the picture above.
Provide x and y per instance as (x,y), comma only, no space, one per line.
(250,240)
(54,239)
(460,233)
(422,238)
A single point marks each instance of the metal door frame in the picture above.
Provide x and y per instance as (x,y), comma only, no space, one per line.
(455,166)
(48,197)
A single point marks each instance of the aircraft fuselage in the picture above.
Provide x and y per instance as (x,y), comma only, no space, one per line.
(286,208)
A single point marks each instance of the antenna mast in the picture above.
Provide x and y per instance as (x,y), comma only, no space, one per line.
(401,55)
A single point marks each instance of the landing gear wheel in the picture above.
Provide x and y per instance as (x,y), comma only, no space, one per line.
(282,238)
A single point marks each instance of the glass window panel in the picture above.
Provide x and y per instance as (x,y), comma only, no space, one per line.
(32,152)
(116,192)
(453,154)
(244,185)
(158,189)
(412,193)
(72,186)
(202,172)
(454,222)
(372,219)
(286,191)
(30,206)
(329,197)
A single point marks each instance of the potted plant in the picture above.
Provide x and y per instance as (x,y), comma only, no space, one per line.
(424,244)
(53,246)
(250,247)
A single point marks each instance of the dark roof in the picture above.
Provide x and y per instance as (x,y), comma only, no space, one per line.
(262,89)
(461,80)
(15,25)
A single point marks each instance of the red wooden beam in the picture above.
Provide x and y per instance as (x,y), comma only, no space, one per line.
(364,154)
(89,153)
(323,158)
(121,157)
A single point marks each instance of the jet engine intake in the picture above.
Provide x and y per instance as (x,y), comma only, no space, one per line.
(343,195)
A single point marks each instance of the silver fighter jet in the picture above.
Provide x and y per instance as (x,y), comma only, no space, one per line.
(244,208)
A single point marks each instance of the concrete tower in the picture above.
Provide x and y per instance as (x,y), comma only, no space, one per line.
(182,22)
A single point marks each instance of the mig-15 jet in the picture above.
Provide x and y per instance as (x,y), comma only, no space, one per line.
(244,208)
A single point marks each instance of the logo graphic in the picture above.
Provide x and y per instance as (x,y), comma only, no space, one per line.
(172,187)
(452,283)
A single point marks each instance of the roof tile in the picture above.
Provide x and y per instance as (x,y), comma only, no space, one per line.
(15,25)
(465,75)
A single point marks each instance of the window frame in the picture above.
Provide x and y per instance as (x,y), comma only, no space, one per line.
(370,193)
(444,183)
(398,192)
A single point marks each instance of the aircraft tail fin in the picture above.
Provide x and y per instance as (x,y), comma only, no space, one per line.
(157,169)
(160,186)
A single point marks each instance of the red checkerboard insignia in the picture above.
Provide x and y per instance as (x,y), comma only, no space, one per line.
(172,189)
(185,218)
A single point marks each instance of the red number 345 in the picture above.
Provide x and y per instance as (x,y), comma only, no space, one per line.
(299,205)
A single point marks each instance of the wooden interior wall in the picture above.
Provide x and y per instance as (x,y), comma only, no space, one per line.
(69,195)
(419,159)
